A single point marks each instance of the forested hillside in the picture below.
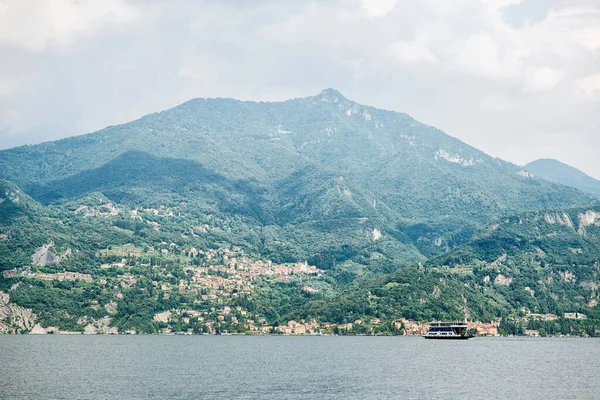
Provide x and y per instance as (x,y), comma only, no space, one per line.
(220,212)
(297,164)
(539,269)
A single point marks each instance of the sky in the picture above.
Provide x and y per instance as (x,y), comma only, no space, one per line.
(518,79)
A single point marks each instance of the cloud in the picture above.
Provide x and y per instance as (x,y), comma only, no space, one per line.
(35,25)
(378,8)
(412,53)
(481,55)
(590,86)
(491,72)
(499,4)
(543,78)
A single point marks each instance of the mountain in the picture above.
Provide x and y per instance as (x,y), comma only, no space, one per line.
(304,164)
(555,171)
(14,202)
(221,214)
(534,270)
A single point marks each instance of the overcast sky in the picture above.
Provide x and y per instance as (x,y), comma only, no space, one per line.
(518,79)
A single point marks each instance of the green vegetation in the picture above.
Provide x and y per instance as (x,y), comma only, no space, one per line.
(201,218)
(534,265)
(306,171)
(555,171)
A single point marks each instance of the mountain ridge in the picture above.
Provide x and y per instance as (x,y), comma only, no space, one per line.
(411,171)
(212,203)
(557,171)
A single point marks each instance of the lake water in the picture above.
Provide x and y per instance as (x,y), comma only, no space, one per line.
(243,367)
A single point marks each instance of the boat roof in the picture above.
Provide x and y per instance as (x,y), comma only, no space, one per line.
(451,323)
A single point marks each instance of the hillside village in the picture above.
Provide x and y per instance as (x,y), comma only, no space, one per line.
(364,221)
(214,280)
(194,290)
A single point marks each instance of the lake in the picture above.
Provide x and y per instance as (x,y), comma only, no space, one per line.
(270,367)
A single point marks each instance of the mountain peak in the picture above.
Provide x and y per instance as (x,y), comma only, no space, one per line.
(331,95)
(547,161)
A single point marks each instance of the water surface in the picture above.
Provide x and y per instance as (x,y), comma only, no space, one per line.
(269,367)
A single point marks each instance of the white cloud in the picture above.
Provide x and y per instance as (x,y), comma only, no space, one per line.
(569,33)
(589,86)
(36,24)
(498,4)
(543,78)
(378,8)
(412,53)
(321,24)
(481,55)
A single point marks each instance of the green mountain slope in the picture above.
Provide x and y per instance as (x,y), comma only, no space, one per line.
(315,160)
(227,215)
(555,171)
(94,265)
(14,202)
(539,269)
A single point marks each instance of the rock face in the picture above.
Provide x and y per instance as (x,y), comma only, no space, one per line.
(376,234)
(163,316)
(43,256)
(502,280)
(101,326)
(12,195)
(587,219)
(38,330)
(558,218)
(442,154)
(13,318)
(567,276)
(111,307)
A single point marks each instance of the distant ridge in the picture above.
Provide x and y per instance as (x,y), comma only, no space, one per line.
(556,171)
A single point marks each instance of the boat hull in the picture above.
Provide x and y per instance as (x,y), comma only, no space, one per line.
(448,337)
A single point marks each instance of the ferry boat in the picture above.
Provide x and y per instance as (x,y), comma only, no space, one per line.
(448,330)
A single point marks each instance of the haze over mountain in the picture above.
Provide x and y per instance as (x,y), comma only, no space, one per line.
(189,210)
(556,171)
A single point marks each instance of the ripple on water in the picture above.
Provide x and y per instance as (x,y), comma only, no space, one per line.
(269,367)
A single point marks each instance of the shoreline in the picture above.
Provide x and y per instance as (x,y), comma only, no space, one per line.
(284,335)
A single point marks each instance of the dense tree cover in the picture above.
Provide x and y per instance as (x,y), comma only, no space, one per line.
(530,264)
(555,171)
(399,215)
(315,167)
